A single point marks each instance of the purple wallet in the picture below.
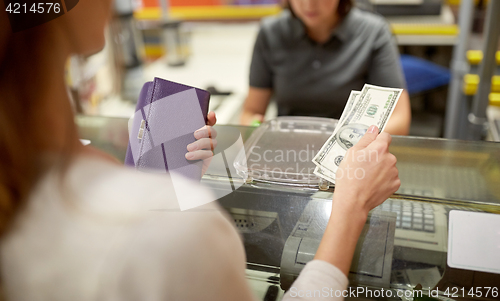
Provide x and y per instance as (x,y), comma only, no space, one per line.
(166,116)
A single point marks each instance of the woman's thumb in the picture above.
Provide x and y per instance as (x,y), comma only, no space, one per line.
(368,137)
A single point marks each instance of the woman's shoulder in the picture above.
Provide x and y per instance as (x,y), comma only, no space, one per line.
(95,187)
(173,243)
(137,189)
(361,20)
(99,210)
(281,25)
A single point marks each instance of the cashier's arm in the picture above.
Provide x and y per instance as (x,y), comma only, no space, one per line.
(399,124)
(255,105)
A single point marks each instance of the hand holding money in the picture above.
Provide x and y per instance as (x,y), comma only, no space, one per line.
(372,106)
(354,198)
(370,161)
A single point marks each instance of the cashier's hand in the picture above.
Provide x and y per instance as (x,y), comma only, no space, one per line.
(368,175)
(203,148)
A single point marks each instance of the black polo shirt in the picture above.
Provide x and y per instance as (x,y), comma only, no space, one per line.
(311,79)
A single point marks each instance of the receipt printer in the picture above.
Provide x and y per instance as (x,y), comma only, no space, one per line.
(372,260)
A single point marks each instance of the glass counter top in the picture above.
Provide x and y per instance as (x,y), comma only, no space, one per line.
(467,172)
(462,171)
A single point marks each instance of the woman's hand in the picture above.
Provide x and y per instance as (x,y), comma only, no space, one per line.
(368,175)
(205,144)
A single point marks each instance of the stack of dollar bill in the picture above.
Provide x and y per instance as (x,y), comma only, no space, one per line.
(371,106)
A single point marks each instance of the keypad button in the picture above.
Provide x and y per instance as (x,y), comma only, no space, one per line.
(417,226)
(418,220)
(429,228)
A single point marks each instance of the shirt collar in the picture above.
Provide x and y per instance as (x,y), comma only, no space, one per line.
(342,32)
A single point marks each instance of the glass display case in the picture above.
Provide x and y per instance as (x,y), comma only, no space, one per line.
(404,244)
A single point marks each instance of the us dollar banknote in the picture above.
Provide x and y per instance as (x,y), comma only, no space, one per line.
(348,107)
(373,106)
(325,174)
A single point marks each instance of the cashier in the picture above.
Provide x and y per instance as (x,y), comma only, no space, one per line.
(313,54)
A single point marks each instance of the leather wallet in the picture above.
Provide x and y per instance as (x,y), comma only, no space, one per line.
(166,116)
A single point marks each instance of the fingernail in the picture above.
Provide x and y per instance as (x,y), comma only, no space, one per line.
(372,129)
(189,156)
(191,147)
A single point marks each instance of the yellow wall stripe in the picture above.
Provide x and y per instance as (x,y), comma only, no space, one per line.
(210,12)
(425,29)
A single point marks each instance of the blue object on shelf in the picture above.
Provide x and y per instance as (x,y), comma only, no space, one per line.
(422,75)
